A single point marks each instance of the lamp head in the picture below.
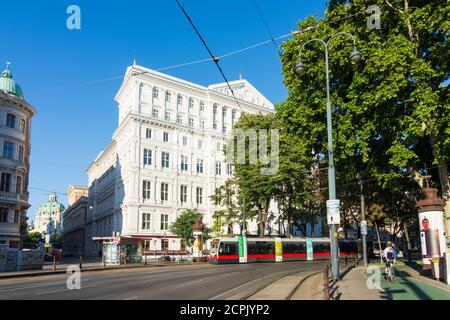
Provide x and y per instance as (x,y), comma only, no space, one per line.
(300,68)
(355,57)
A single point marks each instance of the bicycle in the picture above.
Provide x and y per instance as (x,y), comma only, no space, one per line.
(390,275)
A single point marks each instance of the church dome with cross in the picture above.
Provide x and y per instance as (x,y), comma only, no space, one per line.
(8,85)
(48,216)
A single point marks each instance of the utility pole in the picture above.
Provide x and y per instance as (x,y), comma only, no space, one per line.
(334,203)
(363,225)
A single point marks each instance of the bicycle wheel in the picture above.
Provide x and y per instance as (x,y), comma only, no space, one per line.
(390,275)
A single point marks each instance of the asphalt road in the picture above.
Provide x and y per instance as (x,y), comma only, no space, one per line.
(191,282)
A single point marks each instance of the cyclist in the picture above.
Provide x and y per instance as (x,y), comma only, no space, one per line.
(389,255)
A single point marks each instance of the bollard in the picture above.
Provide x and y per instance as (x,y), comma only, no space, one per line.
(81,263)
(54,263)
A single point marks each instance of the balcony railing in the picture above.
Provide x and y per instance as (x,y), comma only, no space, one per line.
(12,196)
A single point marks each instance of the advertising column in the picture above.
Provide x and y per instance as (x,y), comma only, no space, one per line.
(431,224)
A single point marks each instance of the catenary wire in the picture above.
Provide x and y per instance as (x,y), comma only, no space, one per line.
(210,59)
(266,26)
(215,59)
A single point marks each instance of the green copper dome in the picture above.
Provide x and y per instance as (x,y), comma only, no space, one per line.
(51,206)
(7,84)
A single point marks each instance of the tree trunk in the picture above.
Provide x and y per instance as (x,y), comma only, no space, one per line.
(288,230)
(379,242)
(261,228)
(408,241)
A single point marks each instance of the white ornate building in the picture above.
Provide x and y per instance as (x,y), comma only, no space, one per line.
(166,154)
(15,128)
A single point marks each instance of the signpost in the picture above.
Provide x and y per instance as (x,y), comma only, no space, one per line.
(364,228)
(309,250)
(333,214)
(334,218)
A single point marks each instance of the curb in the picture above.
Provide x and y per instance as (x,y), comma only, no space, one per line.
(46,273)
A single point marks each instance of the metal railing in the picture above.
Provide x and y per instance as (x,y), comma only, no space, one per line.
(329,286)
(326,281)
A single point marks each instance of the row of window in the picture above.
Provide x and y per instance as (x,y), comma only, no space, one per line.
(168,99)
(147,219)
(9,149)
(4,215)
(6,180)
(184,139)
(167,117)
(184,163)
(146,192)
(11,122)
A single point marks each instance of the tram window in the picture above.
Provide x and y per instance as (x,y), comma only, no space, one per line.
(251,248)
(294,247)
(228,249)
(321,247)
(266,247)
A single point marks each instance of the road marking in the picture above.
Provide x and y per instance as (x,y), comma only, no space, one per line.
(234,289)
(189,283)
(61,290)
(132,298)
(29,286)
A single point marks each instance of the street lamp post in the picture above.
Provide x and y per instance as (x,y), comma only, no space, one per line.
(300,69)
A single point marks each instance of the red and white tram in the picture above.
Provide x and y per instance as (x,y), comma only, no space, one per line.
(226,250)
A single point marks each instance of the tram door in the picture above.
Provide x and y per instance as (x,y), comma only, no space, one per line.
(242,249)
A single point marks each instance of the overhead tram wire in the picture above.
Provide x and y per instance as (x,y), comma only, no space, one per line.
(215,59)
(210,59)
(48,191)
(267,27)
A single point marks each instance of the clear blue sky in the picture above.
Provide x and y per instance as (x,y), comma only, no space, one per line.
(73,125)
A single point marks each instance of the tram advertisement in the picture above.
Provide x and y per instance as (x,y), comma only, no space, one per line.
(309,250)
(242,247)
(432,235)
(278,250)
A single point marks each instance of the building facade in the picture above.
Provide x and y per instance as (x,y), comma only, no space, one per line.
(15,130)
(74,193)
(74,221)
(165,156)
(48,216)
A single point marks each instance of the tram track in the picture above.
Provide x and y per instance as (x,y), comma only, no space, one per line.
(292,292)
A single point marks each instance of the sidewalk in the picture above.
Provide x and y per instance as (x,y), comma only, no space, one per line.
(353,286)
(408,285)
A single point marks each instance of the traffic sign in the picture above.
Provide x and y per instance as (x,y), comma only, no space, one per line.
(364,228)
(333,212)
